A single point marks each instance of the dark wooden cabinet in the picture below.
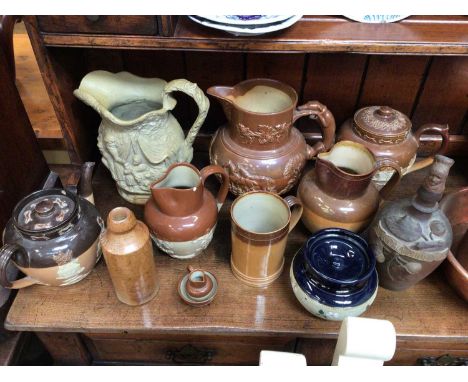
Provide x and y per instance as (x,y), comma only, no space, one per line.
(418,66)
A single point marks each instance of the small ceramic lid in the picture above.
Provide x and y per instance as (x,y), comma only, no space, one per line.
(198,287)
(44,210)
(381,124)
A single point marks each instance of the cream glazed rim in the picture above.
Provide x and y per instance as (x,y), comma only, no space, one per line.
(193,301)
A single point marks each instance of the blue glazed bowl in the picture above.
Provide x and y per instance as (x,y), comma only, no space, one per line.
(335,270)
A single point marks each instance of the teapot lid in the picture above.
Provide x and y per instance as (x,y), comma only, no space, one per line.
(44,211)
(381,124)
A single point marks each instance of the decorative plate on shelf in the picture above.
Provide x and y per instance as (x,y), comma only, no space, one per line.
(247,30)
(246,19)
(376,19)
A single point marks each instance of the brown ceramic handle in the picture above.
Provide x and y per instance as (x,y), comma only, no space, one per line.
(296,212)
(318,111)
(223,190)
(394,180)
(6,253)
(431,128)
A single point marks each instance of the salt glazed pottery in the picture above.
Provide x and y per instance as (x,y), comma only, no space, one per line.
(455,207)
(138,136)
(181,212)
(387,133)
(128,252)
(260,148)
(198,287)
(333,275)
(411,237)
(52,237)
(339,191)
(260,224)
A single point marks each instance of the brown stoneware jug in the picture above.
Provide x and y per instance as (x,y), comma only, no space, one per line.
(411,237)
(128,251)
(388,134)
(181,212)
(260,148)
(198,287)
(339,193)
(53,236)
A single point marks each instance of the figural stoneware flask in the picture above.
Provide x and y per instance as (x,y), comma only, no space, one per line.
(412,236)
(53,236)
(333,275)
(387,133)
(339,191)
(181,212)
(128,252)
(260,148)
(138,137)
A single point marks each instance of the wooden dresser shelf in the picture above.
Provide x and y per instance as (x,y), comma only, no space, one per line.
(429,312)
(428,35)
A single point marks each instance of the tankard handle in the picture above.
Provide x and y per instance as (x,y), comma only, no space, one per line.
(6,253)
(394,180)
(430,128)
(192,90)
(317,111)
(296,210)
(223,190)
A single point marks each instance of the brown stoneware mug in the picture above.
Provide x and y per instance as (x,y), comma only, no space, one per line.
(260,223)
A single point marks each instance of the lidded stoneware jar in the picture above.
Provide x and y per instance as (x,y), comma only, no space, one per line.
(181,212)
(387,133)
(333,275)
(128,251)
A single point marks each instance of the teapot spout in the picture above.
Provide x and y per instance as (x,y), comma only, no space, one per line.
(225,95)
(85,186)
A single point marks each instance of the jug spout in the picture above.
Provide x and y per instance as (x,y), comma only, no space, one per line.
(225,95)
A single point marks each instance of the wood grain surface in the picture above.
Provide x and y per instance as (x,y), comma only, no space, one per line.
(431,309)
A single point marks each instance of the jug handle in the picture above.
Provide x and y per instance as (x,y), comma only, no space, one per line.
(6,253)
(434,128)
(296,213)
(394,180)
(223,190)
(316,110)
(192,90)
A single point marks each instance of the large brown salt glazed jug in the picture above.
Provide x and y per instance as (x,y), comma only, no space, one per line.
(181,212)
(339,191)
(387,133)
(128,251)
(259,147)
(53,236)
(411,237)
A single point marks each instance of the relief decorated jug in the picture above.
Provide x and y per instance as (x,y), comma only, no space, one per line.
(259,147)
(388,134)
(138,137)
(339,192)
(182,213)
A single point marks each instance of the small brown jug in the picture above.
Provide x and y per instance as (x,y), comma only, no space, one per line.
(128,252)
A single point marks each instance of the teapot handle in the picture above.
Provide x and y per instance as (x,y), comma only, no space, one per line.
(318,111)
(192,90)
(394,180)
(215,169)
(434,128)
(6,253)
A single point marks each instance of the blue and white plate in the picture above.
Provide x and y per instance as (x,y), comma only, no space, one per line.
(376,19)
(246,19)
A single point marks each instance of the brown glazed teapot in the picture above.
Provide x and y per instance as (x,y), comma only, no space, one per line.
(52,236)
(260,148)
(387,133)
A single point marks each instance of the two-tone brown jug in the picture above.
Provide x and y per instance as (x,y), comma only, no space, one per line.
(181,212)
(259,147)
(339,191)
(388,134)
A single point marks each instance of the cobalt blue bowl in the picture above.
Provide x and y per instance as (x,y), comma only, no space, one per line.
(336,268)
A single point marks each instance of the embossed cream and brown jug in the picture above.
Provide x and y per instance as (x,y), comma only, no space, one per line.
(260,148)
(138,137)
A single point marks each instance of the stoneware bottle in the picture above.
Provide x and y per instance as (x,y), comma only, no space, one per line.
(181,212)
(128,252)
(411,237)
